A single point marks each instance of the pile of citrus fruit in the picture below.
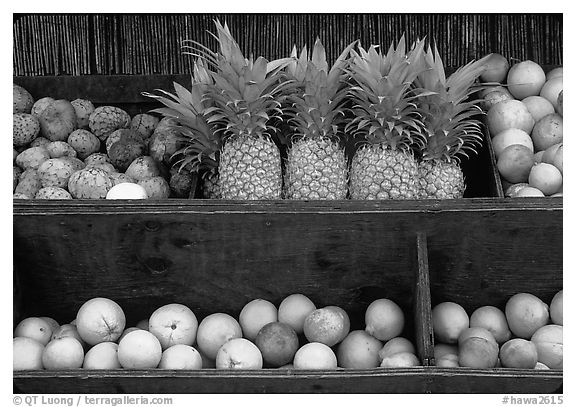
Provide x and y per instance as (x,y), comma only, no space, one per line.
(294,335)
(527,334)
(525,118)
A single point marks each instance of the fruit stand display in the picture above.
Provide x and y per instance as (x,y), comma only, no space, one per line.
(365,185)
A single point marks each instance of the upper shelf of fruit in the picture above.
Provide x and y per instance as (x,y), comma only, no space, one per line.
(376,125)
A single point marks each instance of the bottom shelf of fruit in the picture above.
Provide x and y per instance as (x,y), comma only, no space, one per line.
(223,258)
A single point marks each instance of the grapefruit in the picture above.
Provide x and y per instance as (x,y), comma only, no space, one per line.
(550,345)
(545,177)
(509,137)
(139,349)
(401,359)
(515,163)
(100,320)
(519,353)
(538,106)
(359,350)
(26,354)
(497,66)
(173,324)
(554,73)
(63,353)
(215,330)
(547,131)
(328,325)
(315,355)
(448,321)
(525,314)
(180,356)
(525,79)
(278,343)
(239,353)
(509,114)
(556,308)
(34,328)
(551,90)
(254,315)
(384,319)
(294,309)
(529,192)
(492,319)
(103,355)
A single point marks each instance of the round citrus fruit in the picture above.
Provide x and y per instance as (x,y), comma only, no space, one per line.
(254,315)
(509,114)
(384,319)
(34,328)
(494,320)
(399,360)
(139,349)
(278,343)
(396,345)
(103,355)
(359,350)
(550,345)
(509,137)
(497,66)
(328,325)
(526,313)
(525,79)
(180,356)
(448,321)
(556,308)
(173,324)
(529,192)
(554,73)
(551,90)
(215,330)
(63,353)
(315,355)
(239,353)
(545,177)
(547,132)
(538,106)
(519,353)
(515,163)
(100,320)
(26,354)
(294,309)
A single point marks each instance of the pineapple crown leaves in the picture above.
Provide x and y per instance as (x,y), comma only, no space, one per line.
(317,107)
(245,93)
(385,100)
(188,107)
(453,131)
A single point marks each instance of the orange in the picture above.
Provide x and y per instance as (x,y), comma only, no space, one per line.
(550,345)
(34,328)
(509,114)
(215,330)
(328,325)
(100,320)
(396,345)
(545,177)
(492,319)
(52,322)
(239,353)
(525,79)
(26,354)
(448,321)
(519,353)
(173,324)
(359,350)
(181,356)
(384,319)
(538,106)
(525,314)
(315,355)
(103,355)
(479,353)
(294,309)
(547,131)
(554,73)
(139,350)
(515,163)
(254,315)
(63,353)
(529,192)
(497,66)
(476,332)
(551,90)
(509,137)
(401,359)
(278,342)
(556,308)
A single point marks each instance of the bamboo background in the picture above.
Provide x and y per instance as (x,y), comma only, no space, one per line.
(108,44)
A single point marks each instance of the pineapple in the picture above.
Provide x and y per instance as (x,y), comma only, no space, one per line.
(317,167)
(451,130)
(246,95)
(199,142)
(387,116)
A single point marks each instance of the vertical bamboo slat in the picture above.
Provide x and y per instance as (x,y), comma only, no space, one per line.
(150,44)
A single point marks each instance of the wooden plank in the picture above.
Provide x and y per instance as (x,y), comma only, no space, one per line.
(410,380)
(424,334)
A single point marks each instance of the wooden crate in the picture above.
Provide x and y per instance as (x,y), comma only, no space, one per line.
(215,256)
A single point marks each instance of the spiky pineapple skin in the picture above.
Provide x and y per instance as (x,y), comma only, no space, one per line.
(316,168)
(440,180)
(250,169)
(378,172)
(211,187)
